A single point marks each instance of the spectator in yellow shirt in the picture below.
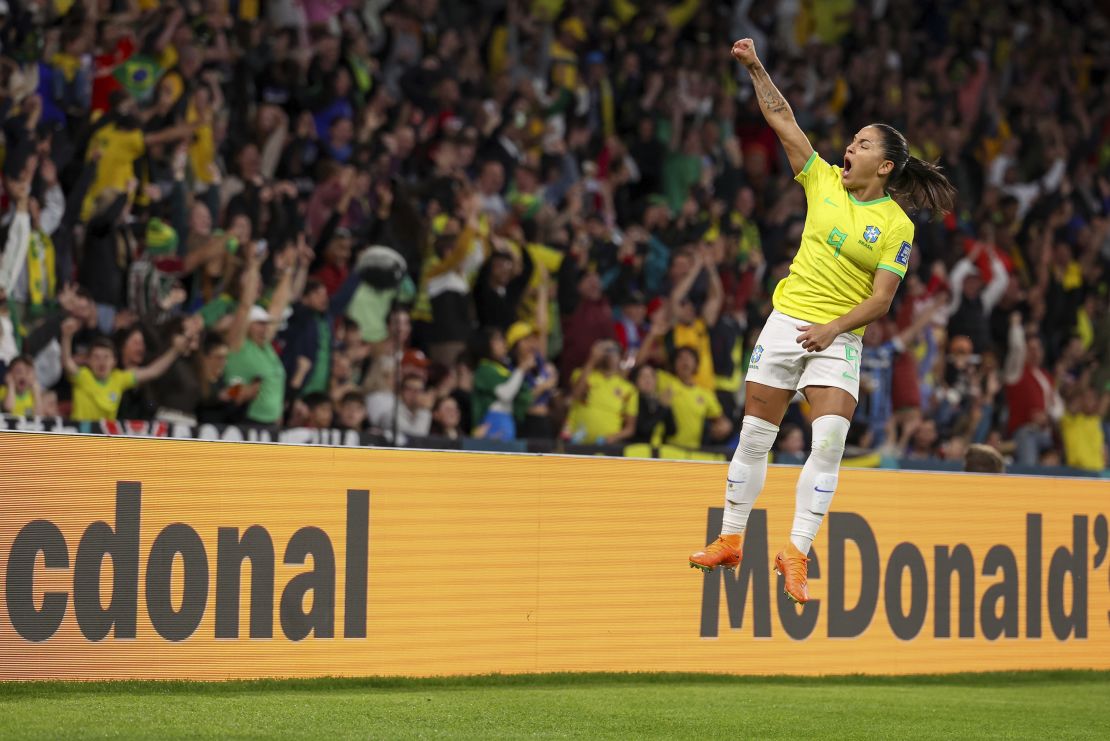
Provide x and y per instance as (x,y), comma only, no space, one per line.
(693,405)
(1081,428)
(605,405)
(691,327)
(21,393)
(99,386)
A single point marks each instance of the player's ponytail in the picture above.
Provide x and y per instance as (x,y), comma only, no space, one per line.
(920,183)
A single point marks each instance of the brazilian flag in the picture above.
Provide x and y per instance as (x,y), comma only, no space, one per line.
(139,75)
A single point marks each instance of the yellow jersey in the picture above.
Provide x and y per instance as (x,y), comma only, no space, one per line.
(692,407)
(24,403)
(844,243)
(609,401)
(696,337)
(119,149)
(1084,443)
(93,399)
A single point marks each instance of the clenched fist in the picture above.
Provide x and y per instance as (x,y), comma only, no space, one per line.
(743,51)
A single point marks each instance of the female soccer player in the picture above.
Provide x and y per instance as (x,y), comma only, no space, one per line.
(854,252)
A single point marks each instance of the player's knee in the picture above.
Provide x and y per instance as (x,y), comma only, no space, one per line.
(830,433)
(756,437)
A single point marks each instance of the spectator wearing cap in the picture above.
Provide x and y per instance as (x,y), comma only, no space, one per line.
(604,405)
(458,252)
(250,340)
(695,408)
(523,340)
(500,397)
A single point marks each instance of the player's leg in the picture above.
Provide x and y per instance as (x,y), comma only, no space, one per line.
(832,409)
(772,377)
(764,408)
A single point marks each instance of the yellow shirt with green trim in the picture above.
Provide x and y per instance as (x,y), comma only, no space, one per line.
(692,406)
(844,244)
(609,400)
(24,403)
(93,399)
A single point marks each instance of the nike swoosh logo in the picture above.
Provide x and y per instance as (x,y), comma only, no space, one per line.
(831,202)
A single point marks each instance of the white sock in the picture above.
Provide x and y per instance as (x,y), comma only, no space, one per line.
(747,472)
(817,484)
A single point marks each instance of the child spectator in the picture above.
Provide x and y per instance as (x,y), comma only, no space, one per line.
(21,393)
(98,386)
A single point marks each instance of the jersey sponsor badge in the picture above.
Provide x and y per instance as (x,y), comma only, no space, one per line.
(871,234)
(903,256)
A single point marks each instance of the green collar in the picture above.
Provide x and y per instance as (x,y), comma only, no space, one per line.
(858,202)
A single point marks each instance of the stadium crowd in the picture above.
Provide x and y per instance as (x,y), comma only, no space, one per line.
(557,219)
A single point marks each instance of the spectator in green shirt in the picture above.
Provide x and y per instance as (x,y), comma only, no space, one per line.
(251,337)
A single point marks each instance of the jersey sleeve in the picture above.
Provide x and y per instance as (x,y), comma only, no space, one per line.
(712,406)
(632,403)
(127,380)
(895,255)
(818,176)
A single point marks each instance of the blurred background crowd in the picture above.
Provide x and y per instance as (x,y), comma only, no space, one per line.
(551,220)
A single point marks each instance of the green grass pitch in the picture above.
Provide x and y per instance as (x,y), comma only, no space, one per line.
(1025,705)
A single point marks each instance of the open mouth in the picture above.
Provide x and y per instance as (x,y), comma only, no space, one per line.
(847,164)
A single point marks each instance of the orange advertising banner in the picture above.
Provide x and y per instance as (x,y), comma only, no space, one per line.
(137,558)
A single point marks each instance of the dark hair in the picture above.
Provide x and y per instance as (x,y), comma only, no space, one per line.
(352,396)
(103,343)
(481,344)
(315,399)
(921,183)
(685,348)
(26,360)
(212,340)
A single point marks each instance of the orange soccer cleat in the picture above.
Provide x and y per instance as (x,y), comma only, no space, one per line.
(724,552)
(791,564)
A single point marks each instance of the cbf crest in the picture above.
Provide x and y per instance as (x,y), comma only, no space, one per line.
(871,234)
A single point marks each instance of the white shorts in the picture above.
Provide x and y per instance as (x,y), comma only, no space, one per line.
(780,362)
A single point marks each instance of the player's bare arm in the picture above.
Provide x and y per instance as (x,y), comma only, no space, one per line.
(775,109)
(817,337)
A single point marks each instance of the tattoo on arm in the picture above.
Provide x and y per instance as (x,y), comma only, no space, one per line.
(770,99)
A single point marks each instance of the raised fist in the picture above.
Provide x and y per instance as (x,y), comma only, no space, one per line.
(743,51)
